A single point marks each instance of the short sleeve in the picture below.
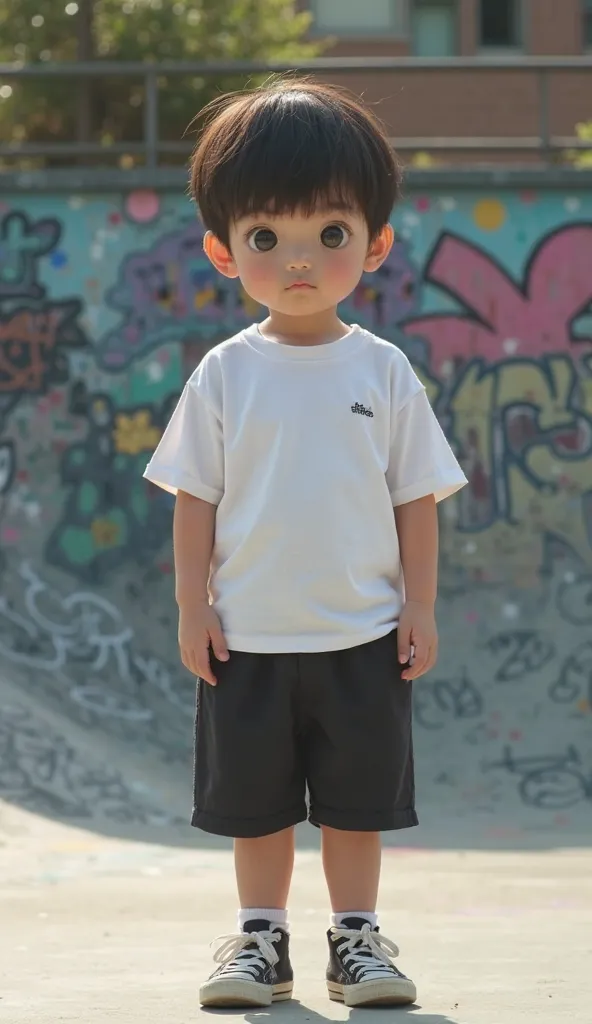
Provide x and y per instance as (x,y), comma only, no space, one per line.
(190,455)
(421,461)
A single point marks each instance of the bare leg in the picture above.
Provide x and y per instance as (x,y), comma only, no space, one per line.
(352,868)
(359,974)
(264,870)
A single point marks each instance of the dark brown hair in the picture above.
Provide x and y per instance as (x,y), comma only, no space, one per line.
(293,145)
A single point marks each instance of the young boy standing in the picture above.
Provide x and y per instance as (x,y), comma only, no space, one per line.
(307,464)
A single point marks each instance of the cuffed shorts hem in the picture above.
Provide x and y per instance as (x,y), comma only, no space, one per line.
(279,724)
(247,828)
(364,821)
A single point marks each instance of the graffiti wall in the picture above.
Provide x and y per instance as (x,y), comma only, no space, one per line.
(106,305)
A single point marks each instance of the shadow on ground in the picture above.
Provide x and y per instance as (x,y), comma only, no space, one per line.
(298,1013)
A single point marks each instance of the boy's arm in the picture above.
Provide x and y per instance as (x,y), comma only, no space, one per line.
(417,529)
(199,627)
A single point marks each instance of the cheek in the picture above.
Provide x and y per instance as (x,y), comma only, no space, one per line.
(256,271)
(344,265)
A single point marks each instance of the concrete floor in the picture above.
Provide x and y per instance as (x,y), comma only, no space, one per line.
(97,929)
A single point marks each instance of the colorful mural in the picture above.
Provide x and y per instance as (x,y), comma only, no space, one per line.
(106,305)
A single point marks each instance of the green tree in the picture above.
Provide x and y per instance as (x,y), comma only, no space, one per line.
(582,158)
(107,110)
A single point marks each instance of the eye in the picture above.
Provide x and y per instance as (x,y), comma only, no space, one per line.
(334,236)
(262,240)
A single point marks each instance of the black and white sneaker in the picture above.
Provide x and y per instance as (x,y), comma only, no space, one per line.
(361,972)
(254,970)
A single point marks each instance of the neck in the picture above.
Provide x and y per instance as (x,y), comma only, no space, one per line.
(315,329)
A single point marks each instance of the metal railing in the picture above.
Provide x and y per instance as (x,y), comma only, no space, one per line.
(152,146)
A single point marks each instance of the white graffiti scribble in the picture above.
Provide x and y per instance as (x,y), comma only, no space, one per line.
(40,770)
(54,633)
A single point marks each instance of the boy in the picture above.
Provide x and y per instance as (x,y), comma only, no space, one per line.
(288,450)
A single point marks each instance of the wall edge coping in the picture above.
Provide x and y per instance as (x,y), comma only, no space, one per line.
(175,179)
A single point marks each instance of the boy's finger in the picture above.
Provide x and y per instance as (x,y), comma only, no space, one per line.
(404,647)
(204,669)
(417,667)
(188,660)
(429,662)
(431,659)
(219,645)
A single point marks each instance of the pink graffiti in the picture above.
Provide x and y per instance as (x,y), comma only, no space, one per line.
(503,319)
(10,535)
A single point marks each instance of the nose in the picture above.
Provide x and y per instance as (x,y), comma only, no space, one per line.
(299,261)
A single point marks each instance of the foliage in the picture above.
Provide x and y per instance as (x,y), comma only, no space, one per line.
(582,158)
(48,109)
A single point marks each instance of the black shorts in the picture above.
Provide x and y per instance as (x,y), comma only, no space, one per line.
(337,723)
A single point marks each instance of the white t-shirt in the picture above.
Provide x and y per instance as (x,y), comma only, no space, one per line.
(305,451)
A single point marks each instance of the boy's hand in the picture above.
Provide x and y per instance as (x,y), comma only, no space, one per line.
(200,629)
(417,629)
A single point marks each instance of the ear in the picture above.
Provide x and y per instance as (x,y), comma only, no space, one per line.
(219,255)
(379,248)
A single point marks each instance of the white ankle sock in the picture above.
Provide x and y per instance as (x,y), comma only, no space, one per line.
(279,917)
(338,919)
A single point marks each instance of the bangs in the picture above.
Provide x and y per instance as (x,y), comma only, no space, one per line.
(295,148)
(300,160)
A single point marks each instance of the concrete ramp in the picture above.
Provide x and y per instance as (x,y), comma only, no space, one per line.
(93,726)
(96,725)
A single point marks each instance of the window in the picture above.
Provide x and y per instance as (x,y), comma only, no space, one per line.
(501,24)
(588,24)
(434,28)
(360,17)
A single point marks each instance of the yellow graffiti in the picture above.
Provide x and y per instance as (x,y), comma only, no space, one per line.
(471,399)
(585,388)
(489,214)
(135,433)
(204,297)
(525,493)
(105,533)
(556,506)
(433,388)
(548,391)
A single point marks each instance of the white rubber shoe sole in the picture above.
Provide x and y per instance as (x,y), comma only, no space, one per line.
(390,992)
(223,992)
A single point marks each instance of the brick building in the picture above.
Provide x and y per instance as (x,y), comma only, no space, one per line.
(508,108)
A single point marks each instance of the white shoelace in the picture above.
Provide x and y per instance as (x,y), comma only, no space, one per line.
(372,956)
(247,953)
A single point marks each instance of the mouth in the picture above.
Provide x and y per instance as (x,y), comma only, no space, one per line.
(301,285)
